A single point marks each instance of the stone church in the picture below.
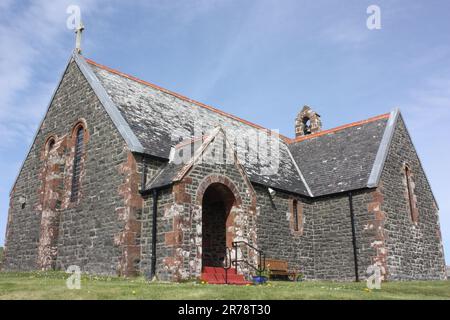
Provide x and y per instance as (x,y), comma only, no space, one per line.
(126,178)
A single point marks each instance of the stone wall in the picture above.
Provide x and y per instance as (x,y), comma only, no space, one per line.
(179,242)
(165,201)
(276,235)
(144,237)
(414,249)
(332,239)
(324,250)
(87,231)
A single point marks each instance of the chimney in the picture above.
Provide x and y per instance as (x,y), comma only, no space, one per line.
(307,122)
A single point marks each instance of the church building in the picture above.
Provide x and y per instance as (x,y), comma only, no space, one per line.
(126,178)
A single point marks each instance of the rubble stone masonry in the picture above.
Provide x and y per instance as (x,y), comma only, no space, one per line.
(414,249)
(50,231)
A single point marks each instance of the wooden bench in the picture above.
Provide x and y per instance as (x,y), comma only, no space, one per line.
(279,268)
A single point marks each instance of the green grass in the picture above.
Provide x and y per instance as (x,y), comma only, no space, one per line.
(52,285)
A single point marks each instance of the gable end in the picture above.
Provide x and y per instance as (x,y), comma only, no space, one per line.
(383,150)
(123,127)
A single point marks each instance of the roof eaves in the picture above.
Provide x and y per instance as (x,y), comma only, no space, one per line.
(383,150)
(150,187)
(114,113)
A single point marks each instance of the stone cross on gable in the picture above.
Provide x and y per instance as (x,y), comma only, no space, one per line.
(78,31)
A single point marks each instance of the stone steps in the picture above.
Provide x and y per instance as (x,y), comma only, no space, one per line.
(216,275)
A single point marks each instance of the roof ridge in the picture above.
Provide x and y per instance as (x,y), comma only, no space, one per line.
(182,97)
(345,126)
(231,116)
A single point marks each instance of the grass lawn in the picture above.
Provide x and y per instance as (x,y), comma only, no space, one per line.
(52,285)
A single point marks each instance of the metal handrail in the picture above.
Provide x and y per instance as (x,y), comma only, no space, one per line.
(262,257)
(227,264)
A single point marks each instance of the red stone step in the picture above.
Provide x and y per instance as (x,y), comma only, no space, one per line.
(209,270)
(211,278)
(216,275)
(217,270)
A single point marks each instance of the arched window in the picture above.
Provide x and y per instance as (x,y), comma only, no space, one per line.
(296,219)
(50,144)
(410,192)
(295,213)
(79,149)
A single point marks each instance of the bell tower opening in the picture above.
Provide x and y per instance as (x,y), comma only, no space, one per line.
(306,126)
(307,122)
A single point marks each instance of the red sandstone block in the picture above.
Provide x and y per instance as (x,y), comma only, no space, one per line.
(128,238)
(210,278)
(173,238)
(372,206)
(377,196)
(187,180)
(209,270)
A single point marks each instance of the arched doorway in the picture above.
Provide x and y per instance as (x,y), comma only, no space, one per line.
(217,202)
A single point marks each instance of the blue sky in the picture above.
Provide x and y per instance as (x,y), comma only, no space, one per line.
(261,60)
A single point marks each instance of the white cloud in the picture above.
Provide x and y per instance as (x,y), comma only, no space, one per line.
(27,36)
(430,105)
(33,40)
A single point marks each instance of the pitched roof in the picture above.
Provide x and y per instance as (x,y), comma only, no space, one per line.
(327,162)
(158,117)
(340,159)
(147,116)
(175,170)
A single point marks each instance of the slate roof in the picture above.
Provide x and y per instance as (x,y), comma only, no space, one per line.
(157,117)
(171,170)
(174,171)
(165,176)
(340,159)
(154,120)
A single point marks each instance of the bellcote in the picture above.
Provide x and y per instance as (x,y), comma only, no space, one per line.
(307,122)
